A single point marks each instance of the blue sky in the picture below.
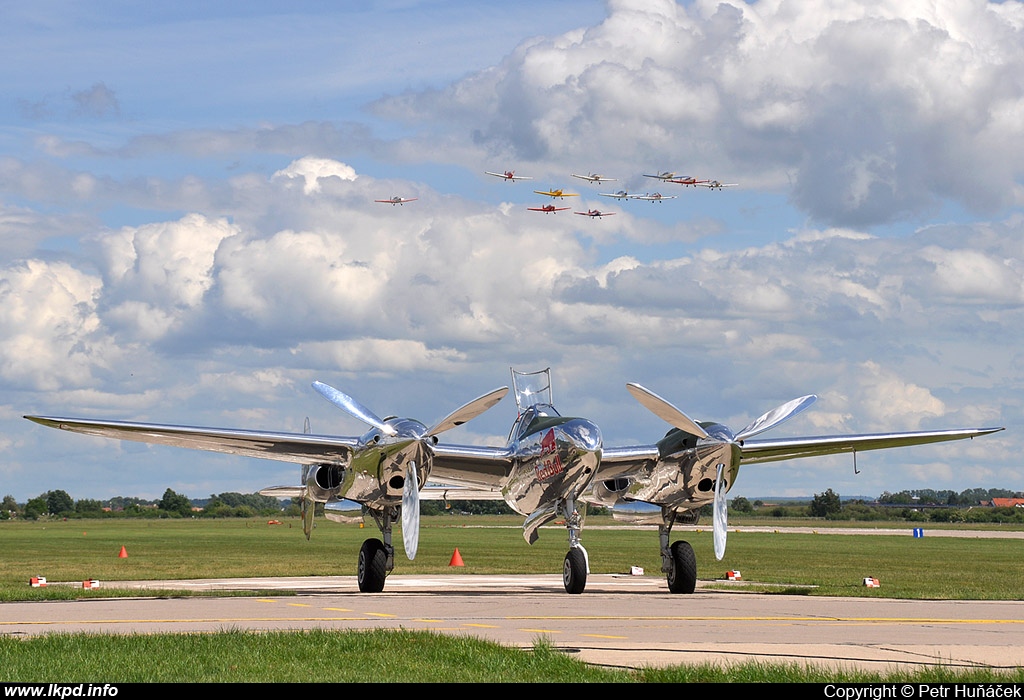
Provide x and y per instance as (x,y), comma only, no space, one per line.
(189,234)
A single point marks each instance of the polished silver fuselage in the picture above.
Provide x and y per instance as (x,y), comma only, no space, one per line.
(553,458)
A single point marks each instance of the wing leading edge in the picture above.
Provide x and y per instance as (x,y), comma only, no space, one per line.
(776,449)
(620,461)
(283,447)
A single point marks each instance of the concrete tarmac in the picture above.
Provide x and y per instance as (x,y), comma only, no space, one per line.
(623,621)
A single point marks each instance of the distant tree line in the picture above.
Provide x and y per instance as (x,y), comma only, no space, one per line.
(920,506)
(928,497)
(924,505)
(465,507)
(59,504)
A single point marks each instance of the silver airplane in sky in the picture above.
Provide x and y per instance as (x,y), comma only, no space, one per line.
(551,466)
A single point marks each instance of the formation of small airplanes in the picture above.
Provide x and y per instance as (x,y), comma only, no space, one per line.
(510,176)
(551,466)
(594,178)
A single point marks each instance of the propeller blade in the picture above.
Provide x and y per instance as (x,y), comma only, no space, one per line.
(776,415)
(352,407)
(469,411)
(308,509)
(720,517)
(664,410)
(411,512)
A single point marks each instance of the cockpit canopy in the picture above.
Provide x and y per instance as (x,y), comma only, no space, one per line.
(528,420)
(532,388)
(533,400)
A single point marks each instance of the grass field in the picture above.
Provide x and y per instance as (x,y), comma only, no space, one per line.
(807,564)
(393,656)
(75,550)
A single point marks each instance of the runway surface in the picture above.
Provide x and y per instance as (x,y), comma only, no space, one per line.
(628,621)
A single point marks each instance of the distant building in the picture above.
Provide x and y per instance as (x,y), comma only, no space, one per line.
(1007,503)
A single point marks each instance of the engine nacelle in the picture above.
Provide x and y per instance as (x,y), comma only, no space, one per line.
(324,481)
(608,492)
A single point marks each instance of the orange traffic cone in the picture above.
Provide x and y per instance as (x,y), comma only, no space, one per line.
(456,559)
(123,554)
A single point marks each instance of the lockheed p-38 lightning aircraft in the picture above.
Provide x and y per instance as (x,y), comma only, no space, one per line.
(551,467)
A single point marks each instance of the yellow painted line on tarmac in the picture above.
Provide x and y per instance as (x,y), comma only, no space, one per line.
(781,618)
(338,609)
(299,605)
(604,636)
(373,614)
(477,624)
(540,631)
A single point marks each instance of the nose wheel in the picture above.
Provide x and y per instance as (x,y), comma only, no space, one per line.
(577,562)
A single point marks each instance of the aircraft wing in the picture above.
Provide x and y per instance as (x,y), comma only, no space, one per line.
(458,465)
(430,492)
(622,461)
(471,466)
(284,447)
(447,492)
(775,449)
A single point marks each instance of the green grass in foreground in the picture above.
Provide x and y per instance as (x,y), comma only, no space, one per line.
(376,656)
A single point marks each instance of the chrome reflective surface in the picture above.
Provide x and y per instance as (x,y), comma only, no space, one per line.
(686,479)
(556,460)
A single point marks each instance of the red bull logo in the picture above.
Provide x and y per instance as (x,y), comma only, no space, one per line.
(549,464)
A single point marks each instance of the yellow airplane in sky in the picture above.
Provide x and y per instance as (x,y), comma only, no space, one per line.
(556,193)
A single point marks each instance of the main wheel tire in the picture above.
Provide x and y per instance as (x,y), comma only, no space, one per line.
(574,571)
(683,576)
(372,569)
